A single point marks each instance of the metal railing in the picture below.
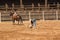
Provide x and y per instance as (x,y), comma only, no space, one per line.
(39,15)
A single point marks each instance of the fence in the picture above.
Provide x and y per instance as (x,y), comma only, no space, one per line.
(0,17)
(46,15)
(39,15)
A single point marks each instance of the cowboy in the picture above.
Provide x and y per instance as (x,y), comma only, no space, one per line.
(15,14)
(33,23)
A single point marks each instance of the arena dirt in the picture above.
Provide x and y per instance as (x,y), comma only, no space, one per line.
(45,30)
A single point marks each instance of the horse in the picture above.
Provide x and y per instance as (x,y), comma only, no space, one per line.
(16,17)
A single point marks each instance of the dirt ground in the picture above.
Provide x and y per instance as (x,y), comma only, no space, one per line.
(45,30)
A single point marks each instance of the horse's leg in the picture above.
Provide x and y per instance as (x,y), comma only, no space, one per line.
(18,21)
(13,21)
(21,20)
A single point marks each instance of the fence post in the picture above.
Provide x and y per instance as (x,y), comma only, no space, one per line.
(43,15)
(29,16)
(56,15)
(6,5)
(13,7)
(0,17)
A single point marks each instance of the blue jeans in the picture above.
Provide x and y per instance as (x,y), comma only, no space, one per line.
(34,24)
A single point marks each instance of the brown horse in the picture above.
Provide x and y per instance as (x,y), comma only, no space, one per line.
(16,17)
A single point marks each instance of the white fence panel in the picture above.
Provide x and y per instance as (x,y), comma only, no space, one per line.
(0,17)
